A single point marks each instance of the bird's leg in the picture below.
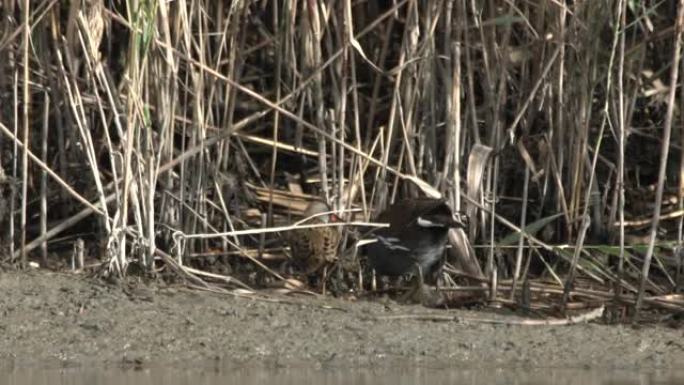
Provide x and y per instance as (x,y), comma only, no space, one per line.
(318,276)
(421,295)
(324,280)
(417,290)
(438,287)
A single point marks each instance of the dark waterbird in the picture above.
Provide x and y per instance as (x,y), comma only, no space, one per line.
(414,242)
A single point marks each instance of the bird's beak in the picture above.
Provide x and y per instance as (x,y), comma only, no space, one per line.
(461,219)
(422,222)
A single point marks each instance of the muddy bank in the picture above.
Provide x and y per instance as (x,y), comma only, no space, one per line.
(53,319)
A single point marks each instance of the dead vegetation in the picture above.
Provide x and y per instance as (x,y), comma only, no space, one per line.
(189,136)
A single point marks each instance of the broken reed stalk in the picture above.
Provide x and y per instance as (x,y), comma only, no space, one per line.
(620,185)
(679,276)
(43,177)
(521,241)
(26,128)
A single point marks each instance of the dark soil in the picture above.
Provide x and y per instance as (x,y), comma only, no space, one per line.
(52,319)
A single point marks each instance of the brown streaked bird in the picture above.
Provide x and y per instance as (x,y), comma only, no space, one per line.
(414,242)
(96,22)
(315,248)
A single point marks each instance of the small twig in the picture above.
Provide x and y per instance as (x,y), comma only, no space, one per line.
(572,320)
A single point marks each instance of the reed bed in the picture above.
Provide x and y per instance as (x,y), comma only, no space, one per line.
(184,138)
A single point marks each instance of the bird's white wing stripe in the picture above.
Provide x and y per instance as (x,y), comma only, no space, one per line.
(392,243)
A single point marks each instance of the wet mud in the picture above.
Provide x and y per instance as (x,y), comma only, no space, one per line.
(50,319)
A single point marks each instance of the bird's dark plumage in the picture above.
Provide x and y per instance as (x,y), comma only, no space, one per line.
(416,237)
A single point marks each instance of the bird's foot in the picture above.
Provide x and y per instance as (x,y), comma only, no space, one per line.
(422,294)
